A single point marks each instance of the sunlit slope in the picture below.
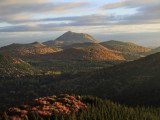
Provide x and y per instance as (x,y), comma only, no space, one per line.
(26,50)
(15,67)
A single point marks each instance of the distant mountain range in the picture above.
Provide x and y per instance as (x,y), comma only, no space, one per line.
(72,45)
(109,50)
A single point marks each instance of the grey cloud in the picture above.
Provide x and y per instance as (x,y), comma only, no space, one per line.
(86,20)
(41,8)
(149,14)
(37,28)
(10,12)
(143,17)
(94,19)
(128,3)
(146,14)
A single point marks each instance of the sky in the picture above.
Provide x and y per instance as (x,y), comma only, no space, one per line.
(25,21)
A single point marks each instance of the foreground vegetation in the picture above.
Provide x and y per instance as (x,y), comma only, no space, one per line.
(85,108)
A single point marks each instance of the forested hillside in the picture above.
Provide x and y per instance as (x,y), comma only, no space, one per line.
(131,83)
(87,45)
(130,51)
(27,51)
(124,46)
(153,51)
(84,53)
(15,67)
(135,82)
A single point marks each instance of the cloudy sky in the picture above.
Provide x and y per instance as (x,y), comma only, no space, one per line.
(24,21)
